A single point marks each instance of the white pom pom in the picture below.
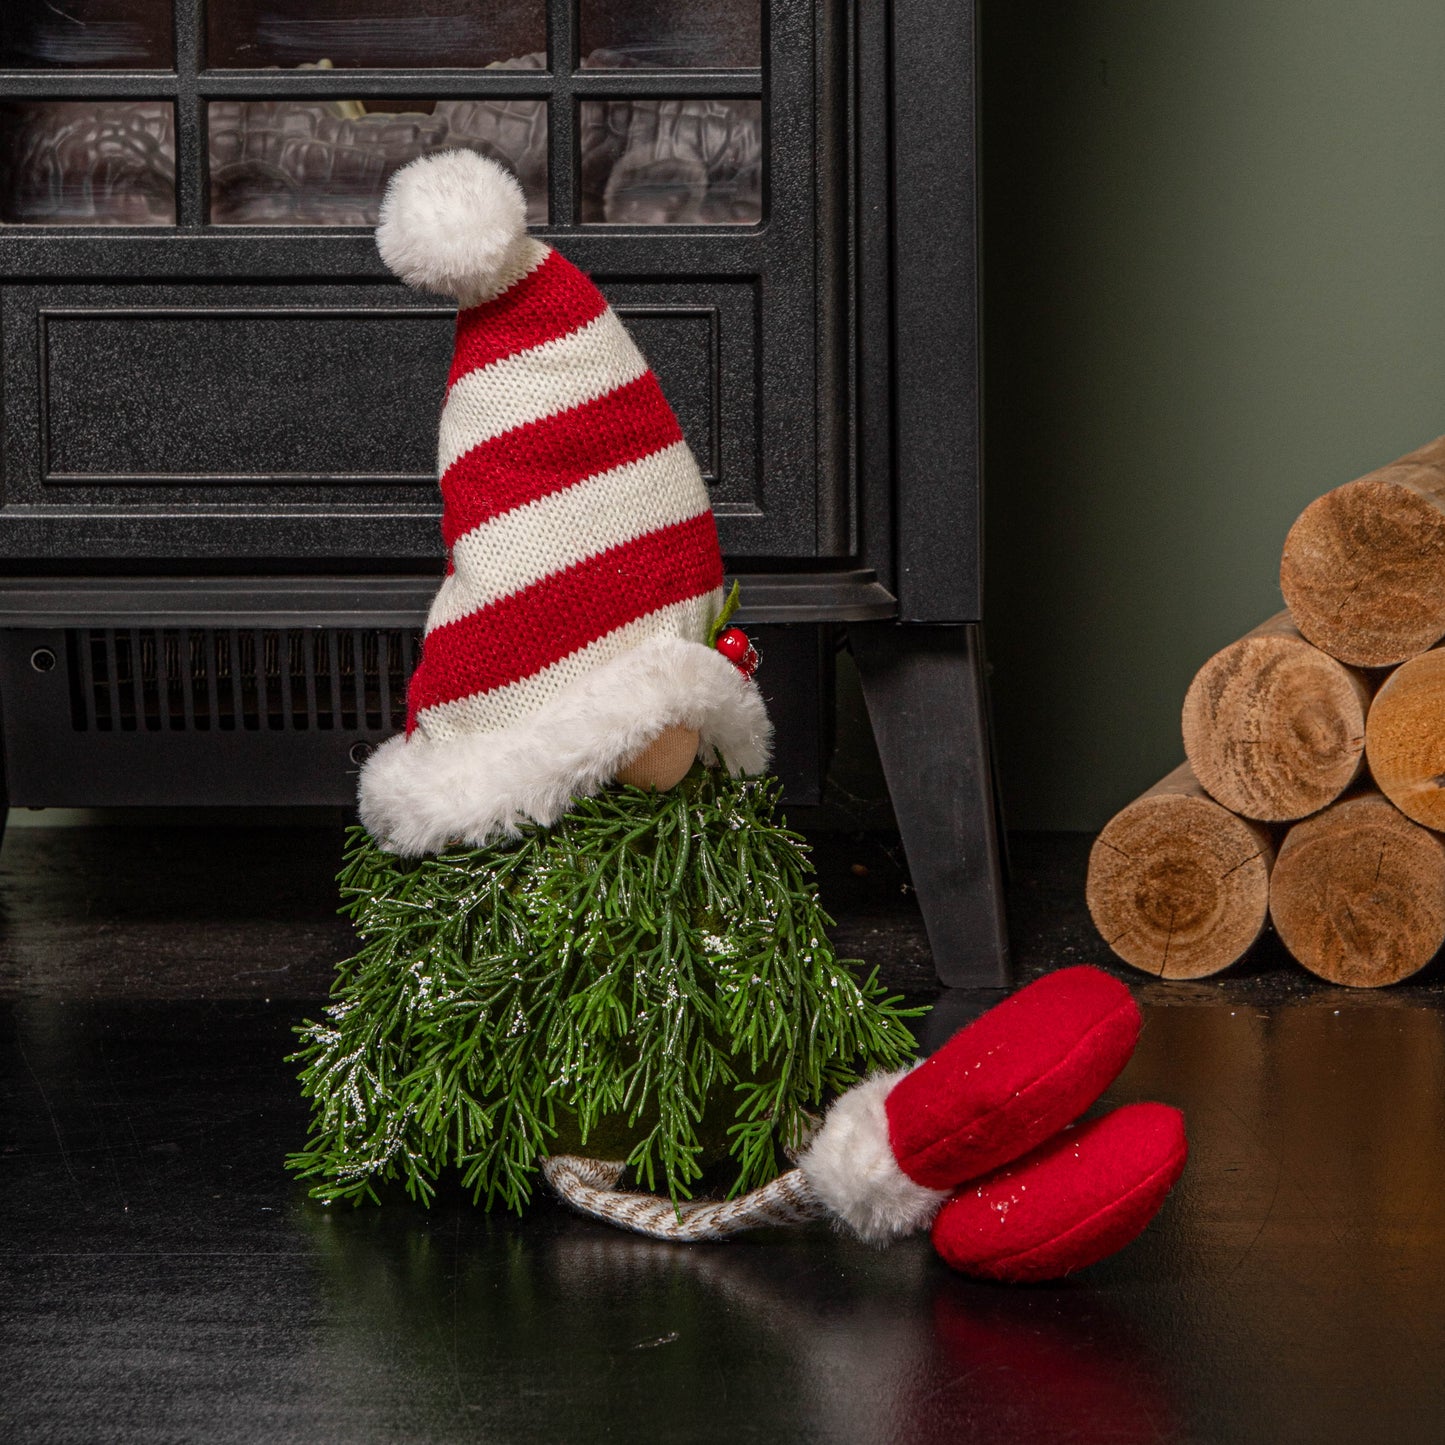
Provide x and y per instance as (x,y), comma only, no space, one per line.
(452,222)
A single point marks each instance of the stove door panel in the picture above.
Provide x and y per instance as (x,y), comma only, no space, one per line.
(190,422)
(241,382)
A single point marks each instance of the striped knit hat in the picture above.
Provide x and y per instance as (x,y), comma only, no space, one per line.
(583,565)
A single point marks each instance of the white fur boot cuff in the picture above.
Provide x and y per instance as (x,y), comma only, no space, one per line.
(851,1167)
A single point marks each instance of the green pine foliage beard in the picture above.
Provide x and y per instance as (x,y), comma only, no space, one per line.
(651,970)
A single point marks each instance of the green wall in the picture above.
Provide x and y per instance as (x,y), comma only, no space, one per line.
(1214,287)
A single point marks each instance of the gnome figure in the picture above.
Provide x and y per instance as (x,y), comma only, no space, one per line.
(568,646)
(590,949)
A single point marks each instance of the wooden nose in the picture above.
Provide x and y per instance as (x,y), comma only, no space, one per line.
(664,762)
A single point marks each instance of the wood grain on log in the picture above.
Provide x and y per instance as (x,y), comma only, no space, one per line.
(1405,738)
(1358,893)
(1178,885)
(1363,569)
(1273,727)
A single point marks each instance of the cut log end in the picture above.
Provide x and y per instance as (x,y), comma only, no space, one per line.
(1405,739)
(1358,893)
(1179,886)
(1363,570)
(1275,728)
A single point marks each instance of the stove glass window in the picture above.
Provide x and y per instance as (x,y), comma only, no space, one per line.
(326,163)
(85,34)
(376,34)
(712,34)
(672,162)
(87,163)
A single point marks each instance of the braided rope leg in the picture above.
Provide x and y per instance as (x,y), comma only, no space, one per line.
(590,1187)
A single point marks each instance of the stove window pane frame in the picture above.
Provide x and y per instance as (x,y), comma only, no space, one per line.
(190,87)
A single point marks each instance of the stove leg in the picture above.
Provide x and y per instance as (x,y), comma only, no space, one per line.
(923,685)
(4,790)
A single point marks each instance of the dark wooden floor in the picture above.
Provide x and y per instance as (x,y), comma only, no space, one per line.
(162,1279)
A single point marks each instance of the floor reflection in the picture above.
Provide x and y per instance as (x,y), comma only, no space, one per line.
(541,1329)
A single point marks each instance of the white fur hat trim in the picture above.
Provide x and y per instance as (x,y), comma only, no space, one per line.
(420,796)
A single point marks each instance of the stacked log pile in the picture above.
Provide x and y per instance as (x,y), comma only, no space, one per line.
(1313,795)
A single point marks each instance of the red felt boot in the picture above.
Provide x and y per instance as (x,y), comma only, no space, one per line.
(1081,1196)
(1013,1077)
(896,1146)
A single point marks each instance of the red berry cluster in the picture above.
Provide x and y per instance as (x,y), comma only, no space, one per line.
(734,645)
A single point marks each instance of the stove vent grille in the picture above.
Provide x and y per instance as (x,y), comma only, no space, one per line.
(202,679)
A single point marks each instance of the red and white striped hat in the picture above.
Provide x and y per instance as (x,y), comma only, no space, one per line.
(583,564)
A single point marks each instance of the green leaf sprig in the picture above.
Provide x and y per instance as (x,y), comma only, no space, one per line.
(731,603)
(650,970)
